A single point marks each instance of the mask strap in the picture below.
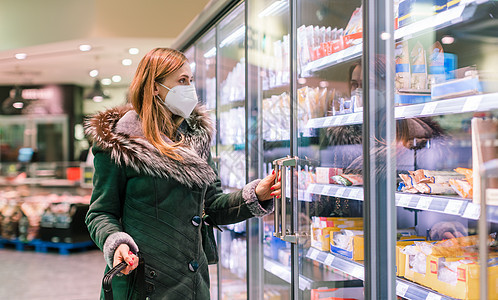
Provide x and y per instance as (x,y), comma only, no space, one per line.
(164,86)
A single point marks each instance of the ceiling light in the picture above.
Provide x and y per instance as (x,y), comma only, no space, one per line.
(21,55)
(274,9)
(447,40)
(210,53)
(126,62)
(234,36)
(116,78)
(85,48)
(94,73)
(106,81)
(133,51)
(97,94)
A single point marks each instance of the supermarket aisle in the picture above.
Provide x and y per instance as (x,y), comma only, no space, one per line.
(31,275)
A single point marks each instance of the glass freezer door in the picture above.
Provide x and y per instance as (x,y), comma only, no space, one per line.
(328,171)
(269,109)
(231,146)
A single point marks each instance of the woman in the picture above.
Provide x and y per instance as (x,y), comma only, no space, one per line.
(154,179)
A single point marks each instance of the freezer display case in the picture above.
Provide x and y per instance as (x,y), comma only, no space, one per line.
(231,146)
(380,119)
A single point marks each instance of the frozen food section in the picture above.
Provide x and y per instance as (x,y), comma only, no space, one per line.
(381,119)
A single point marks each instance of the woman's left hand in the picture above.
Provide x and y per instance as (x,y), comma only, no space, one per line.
(267,188)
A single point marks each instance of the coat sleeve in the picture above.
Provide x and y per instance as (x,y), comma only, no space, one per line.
(234,207)
(104,213)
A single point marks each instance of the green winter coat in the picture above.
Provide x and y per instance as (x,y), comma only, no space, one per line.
(153,203)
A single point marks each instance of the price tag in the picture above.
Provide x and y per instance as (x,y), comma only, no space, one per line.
(326,190)
(424,203)
(328,121)
(399,112)
(328,261)
(471,103)
(472,211)
(313,254)
(401,289)
(404,200)
(340,192)
(337,121)
(356,194)
(351,118)
(357,272)
(453,207)
(432,296)
(429,108)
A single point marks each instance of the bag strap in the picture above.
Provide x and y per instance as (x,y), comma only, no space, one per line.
(107,280)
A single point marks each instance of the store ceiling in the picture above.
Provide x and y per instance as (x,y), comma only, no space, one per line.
(50,32)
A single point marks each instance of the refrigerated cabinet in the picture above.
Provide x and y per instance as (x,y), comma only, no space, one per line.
(381,118)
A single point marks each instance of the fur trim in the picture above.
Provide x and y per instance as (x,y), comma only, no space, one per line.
(112,243)
(119,131)
(253,204)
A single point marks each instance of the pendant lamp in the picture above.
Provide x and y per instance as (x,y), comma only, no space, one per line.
(97,94)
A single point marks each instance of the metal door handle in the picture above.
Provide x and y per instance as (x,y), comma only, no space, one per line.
(281,206)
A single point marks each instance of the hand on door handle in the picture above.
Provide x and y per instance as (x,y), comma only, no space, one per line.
(267,188)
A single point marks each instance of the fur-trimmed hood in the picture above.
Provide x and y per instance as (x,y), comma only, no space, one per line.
(119,131)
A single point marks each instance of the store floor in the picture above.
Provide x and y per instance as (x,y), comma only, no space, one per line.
(29,275)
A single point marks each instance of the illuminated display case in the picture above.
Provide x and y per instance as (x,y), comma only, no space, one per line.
(381,118)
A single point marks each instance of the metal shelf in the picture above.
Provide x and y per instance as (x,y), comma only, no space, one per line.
(404,288)
(284,273)
(333,59)
(475,103)
(441,20)
(442,204)
(452,16)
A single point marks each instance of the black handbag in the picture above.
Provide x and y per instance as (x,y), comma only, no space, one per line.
(208,240)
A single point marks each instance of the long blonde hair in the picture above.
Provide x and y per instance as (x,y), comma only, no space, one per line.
(155,66)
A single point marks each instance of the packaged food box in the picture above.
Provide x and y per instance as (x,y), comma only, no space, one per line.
(452,3)
(322,222)
(324,175)
(320,238)
(467,86)
(459,278)
(402,99)
(348,243)
(416,262)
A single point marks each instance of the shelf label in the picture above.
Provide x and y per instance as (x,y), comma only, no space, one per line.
(340,192)
(351,118)
(337,121)
(328,121)
(399,112)
(404,200)
(429,108)
(313,254)
(357,272)
(472,211)
(432,296)
(356,194)
(471,103)
(424,203)
(401,289)
(453,207)
(326,190)
(329,260)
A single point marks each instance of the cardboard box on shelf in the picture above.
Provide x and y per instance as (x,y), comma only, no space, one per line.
(465,283)
(320,238)
(355,246)
(400,256)
(322,222)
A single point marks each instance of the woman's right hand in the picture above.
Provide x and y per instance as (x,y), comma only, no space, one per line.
(123,253)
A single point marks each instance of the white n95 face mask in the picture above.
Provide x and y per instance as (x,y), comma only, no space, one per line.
(181,99)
